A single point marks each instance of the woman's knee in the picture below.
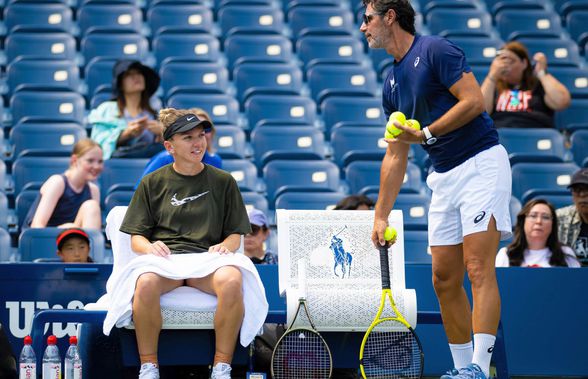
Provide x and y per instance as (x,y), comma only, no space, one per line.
(90,206)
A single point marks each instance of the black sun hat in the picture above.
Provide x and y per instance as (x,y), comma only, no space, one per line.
(120,67)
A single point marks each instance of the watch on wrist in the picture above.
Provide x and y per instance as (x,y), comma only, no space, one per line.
(429,138)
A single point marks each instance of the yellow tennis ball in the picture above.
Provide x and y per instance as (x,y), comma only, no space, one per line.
(390,234)
(391,128)
(414,124)
(389,135)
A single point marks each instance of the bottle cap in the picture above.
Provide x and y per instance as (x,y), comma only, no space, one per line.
(28,340)
(73,340)
(51,340)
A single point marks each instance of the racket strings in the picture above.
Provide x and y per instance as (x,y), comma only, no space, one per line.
(301,354)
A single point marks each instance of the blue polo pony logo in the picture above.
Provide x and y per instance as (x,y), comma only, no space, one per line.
(342,258)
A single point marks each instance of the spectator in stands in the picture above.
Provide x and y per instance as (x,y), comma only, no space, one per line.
(573,220)
(355,202)
(7,357)
(255,240)
(71,199)
(535,242)
(126,126)
(206,214)
(73,246)
(519,93)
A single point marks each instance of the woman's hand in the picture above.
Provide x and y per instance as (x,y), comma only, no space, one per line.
(156,128)
(499,68)
(540,63)
(134,128)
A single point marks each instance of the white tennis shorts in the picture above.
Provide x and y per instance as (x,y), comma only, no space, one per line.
(465,197)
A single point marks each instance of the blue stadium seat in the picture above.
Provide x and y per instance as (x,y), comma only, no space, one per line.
(255,200)
(522,6)
(57,45)
(241,48)
(286,109)
(352,143)
(121,45)
(3,212)
(514,209)
(558,200)
(575,80)
(314,49)
(120,175)
(98,74)
(253,78)
(308,200)
(579,141)
(230,142)
(416,247)
(184,45)
(514,24)
(58,105)
(4,186)
(479,49)
(480,71)
(24,201)
(223,109)
(415,210)
(564,7)
(340,79)
(576,23)
(38,16)
(45,138)
(381,62)
(340,111)
(51,74)
(300,176)
(191,76)
(311,19)
(531,179)
(456,21)
(40,243)
(364,178)
(117,198)
(5,246)
(427,6)
(239,18)
(32,172)
(179,16)
(559,51)
(286,143)
(532,145)
(109,16)
(244,172)
(287,5)
(574,117)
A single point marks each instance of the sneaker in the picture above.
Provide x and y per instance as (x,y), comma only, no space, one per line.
(450,374)
(149,371)
(471,371)
(221,371)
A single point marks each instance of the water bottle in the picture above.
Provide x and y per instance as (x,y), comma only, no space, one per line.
(28,360)
(73,362)
(51,360)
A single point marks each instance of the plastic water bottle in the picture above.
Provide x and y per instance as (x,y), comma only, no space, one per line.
(28,360)
(51,360)
(73,362)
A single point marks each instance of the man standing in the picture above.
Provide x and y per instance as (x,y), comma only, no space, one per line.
(431,81)
(573,220)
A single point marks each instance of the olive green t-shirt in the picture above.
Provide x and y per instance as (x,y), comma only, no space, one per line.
(187,213)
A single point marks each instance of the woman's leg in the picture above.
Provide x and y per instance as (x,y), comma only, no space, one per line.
(89,216)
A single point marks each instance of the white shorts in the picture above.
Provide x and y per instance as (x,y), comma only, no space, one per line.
(465,197)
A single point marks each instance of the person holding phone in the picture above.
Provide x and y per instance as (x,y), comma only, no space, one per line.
(520,93)
(126,126)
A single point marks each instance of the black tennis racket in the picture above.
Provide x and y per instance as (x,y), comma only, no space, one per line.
(301,353)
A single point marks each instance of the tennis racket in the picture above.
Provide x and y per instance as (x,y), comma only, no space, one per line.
(390,348)
(301,353)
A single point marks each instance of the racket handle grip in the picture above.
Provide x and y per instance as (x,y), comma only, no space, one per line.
(385,269)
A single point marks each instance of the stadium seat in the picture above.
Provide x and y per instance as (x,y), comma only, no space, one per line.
(574,117)
(309,200)
(3,211)
(253,78)
(559,52)
(416,247)
(558,200)
(313,49)
(457,21)
(120,174)
(287,5)
(480,71)
(240,18)
(109,16)
(50,74)
(120,45)
(5,185)
(188,17)
(240,48)
(532,144)
(531,179)
(245,174)
(286,109)
(299,176)
(24,201)
(340,111)
(514,24)
(191,76)
(38,16)
(58,105)
(514,209)
(352,143)
(286,143)
(117,198)
(55,45)
(32,172)
(255,200)
(98,75)
(223,109)
(564,7)
(184,45)
(310,19)
(496,6)
(579,141)
(415,210)
(45,138)
(575,80)
(40,243)
(363,178)
(478,49)
(381,62)
(230,142)
(576,22)
(5,246)
(327,80)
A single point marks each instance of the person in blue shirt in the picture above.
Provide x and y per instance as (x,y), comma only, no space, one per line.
(430,81)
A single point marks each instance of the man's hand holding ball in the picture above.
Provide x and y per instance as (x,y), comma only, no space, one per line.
(398,124)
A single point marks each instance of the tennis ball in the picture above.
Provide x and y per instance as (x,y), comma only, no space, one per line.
(391,128)
(390,234)
(388,135)
(414,124)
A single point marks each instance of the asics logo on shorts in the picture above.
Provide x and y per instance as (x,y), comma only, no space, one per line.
(491,349)
(176,203)
(479,217)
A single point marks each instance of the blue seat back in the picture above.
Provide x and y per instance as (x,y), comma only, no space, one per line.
(43,16)
(121,174)
(120,45)
(559,51)
(241,48)
(575,80)
(363,177)
(230,142)
(346,110)
(37,243)
(5,246)
(176,16)
(532,145)
(223,109)
(24,201)
(32,172)
(183,45)
(314,49)
(55,45)
(58,105)
(244,172)
(46,138)
(287,109)
(190,76)
(340,79)
(238,18)
(255,200)
(52,74)
(306,19)
(252,78)
(283,142)
(351,143)
(416,247)
(479,49)
(109,16)
(574,117)
(514,23)
(308,200)
(98,74)
(579,142)
(528,179)
(576,22)
(467,21)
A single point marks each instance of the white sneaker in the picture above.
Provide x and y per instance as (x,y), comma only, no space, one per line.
(221,371)
(149,371)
